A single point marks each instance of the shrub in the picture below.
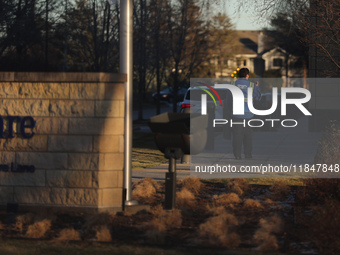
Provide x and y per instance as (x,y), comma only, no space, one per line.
(144,189)
(324,227)
(238,186)
(194,185)
(155,230)
(69,234)
(328,151)
(103,234)
(228,199)
(252,204)
(185,199)
(38,229)
(264,237)
(218,229)
(24,220)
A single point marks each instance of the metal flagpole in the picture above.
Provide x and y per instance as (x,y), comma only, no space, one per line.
(126,66)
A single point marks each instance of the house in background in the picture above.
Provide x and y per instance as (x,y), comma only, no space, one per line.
(259,53)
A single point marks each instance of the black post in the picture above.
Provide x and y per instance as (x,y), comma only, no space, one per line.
(170,185)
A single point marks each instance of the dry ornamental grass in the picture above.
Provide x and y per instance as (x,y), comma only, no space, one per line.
(38,229)
(264,237)
(228,199)
(103,234)
(218,229)
(155,230)
(144,189)
(24,220)
(239,186)
(185,199)
(68,234)
(194,185)
(252,204)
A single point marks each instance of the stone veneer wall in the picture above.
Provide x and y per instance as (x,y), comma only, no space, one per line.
(78,146)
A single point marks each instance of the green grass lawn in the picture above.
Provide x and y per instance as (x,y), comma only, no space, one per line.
(145,154)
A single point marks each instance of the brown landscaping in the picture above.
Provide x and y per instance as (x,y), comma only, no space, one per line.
(210,215)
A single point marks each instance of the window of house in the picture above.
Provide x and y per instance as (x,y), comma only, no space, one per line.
(238,62)
(277,62)
(245,62)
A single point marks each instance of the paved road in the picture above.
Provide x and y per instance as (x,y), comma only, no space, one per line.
(287,146)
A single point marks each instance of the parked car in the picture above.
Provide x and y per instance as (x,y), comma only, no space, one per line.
(192,101)
(166,95)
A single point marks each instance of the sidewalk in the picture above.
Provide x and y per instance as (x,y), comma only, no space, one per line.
(286,146)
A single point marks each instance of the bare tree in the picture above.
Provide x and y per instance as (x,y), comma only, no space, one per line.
(319,22)
(222,42)
(188,39)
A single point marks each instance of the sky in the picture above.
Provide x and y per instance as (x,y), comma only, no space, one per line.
(243,21)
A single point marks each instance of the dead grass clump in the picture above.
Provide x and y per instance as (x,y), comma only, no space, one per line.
(215,210)
(103,234)
(252,204)
(194,185)
(219,229)
(239,186)
(264,237)
(155,230)
(158,211)
(145,188)
(173,219)
(185,199)
(279,190)
(170,219)
(69,234)
(268,242)
(24,220)
(38,229)
(228,199)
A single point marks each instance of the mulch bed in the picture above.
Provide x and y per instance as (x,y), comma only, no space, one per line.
(125,228)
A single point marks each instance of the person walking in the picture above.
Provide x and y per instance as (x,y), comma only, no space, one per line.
(242,134)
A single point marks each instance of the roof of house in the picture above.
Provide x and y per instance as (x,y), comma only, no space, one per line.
(247,41)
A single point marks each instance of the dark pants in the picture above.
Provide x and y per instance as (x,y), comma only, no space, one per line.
(242,136)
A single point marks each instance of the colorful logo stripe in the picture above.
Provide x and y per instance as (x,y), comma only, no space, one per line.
(207,91)
(213,90)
